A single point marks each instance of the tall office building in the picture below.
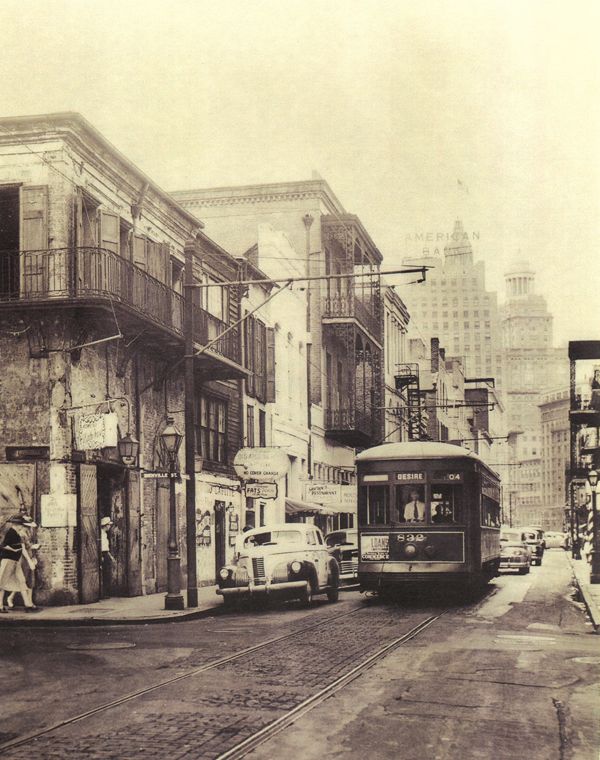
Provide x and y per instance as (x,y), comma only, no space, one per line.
(454,305)
(531,367)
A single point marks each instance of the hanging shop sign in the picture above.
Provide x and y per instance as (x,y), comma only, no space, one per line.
(97,431)
(348,498)
(265,465)
(261,490)
(322,493)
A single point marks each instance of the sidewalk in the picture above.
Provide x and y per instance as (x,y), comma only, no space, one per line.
(134,610)
(589,592)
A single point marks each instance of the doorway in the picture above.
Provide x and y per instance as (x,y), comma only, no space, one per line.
(220,537)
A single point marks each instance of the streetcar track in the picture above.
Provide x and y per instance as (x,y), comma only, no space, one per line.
(269,731)
(19,741)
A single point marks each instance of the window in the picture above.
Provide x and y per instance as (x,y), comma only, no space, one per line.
(211,432)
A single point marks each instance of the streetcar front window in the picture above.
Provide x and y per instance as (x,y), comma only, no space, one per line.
(446,503)
(409,506)
(378,512)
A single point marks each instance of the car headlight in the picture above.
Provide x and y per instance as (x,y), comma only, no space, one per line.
(296,566)
(224,573)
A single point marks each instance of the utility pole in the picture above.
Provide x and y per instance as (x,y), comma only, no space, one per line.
(190,426)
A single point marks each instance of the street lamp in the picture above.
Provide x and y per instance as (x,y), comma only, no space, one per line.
(171,439)
(595,549)
(128,448)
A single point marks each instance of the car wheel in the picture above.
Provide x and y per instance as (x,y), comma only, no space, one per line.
(306,595)
(523,570)
(333,592)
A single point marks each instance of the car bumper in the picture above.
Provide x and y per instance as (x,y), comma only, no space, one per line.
(513,564)
(263,588)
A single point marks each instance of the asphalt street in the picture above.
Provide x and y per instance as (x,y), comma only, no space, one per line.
(513,674)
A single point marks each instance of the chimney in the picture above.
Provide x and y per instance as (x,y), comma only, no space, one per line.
(435,354)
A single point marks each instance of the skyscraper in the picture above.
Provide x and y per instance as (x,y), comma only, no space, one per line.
(454,305)
(531,367)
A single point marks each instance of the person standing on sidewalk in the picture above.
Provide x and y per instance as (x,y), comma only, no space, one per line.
(28,561)
(12,577)
(107,557)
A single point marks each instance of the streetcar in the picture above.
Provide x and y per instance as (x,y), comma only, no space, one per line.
(428,512)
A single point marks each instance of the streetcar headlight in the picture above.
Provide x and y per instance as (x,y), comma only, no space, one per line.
(296,566)
(410,550)
(224,573)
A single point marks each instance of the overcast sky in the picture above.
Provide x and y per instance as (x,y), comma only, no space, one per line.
(391,102)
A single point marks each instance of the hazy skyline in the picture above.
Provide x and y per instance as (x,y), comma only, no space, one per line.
(415,114)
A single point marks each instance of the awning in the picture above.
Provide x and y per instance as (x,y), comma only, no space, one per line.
(295,507)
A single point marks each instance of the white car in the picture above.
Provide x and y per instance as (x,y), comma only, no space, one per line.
(288,561)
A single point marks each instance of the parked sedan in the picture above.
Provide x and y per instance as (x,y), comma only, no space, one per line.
(343,545)
(287,561)
(515,555)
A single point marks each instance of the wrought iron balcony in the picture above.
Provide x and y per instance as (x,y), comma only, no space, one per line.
(351,426)
(346,306)
(97,276)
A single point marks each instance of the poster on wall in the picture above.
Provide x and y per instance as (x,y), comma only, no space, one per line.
(17,487)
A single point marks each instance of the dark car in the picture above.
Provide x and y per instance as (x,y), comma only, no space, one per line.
(534,538)
(343,545)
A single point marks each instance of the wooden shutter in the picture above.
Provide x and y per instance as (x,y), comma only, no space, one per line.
(139,251)
(34,218)
(109,231)
(271,393)
(88,535)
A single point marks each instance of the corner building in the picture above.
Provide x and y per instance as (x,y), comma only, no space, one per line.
(91,341)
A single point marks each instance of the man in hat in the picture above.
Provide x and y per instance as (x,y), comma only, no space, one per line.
(107,557)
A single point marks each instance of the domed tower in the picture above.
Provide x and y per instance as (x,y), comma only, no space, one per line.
(527,323)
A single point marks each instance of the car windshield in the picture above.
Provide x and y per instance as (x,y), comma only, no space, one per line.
(273,537)
(511,536)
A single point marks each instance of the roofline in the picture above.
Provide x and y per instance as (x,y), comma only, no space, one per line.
(62,118)
(320,186)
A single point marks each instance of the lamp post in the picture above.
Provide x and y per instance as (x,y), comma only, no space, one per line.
(171,438)
(595,563)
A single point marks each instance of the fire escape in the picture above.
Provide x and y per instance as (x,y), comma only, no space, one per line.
(409,390)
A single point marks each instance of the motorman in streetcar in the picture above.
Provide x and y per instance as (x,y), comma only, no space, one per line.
(290,561)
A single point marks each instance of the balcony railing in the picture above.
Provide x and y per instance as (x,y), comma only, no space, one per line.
(207,328)
(349,306)
(349,423)
(97,274)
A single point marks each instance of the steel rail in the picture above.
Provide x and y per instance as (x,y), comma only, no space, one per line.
(167,682)
(266,733)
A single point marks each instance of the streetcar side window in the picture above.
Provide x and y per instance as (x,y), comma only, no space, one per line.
(378,512)
(490,512)
(446,503)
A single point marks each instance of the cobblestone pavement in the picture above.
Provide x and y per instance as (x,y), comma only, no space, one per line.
(204,715)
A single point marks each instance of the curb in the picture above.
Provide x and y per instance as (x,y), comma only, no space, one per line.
(590,604)
(33,622)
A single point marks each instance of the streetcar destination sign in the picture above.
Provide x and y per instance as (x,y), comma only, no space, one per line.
(410,476)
